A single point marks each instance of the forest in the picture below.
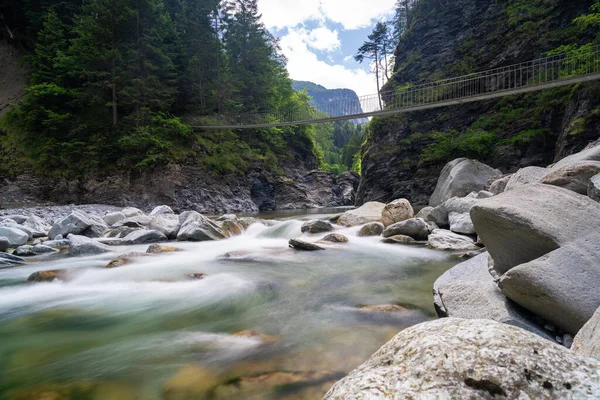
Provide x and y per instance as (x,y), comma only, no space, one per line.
(118,84)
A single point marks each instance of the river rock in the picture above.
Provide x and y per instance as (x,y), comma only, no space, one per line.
(574,176)
(453,358)
(316,226)
(48,276)
(232,227)
(526,176)
(247,221)
(442,239)
(126,259)
(561,286)
(196,227)
(78,223)
(400,239)
(226,217)
(461,223)
(119,232)
(593,190)
(440,215)
(138,221)
(57,244)
(484,194)
(424,212)
(416,228)
(7,260)
(467,290)
(499,185)
(592,154)
(84,246)
(42,249)
(4,243)
(368,212)
(38,226)
(302,245)
(19,219)
(143,236)
(11,224)
(587,340)
(371,229)
(160,248)
(130,212)
(114,217)
(335,238)
(16,237)
(461,177)
(396,211)
(525,223)
(24,251)
(166,223)
(161,210)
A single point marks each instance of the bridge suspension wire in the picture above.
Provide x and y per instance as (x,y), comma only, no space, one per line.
(548,72)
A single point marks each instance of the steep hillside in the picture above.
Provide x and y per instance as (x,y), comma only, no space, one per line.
(12,76)
(404,154)
(322,98)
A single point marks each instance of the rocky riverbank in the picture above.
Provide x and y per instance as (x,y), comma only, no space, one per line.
(523,314)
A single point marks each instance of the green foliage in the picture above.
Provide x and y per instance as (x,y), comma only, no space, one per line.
(451,144)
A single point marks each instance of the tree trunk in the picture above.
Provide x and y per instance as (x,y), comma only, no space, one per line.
(377,77)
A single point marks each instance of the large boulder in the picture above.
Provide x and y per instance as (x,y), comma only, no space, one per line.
(114,217)
(499,185)
(4,243)
(160,210)
(525,223)
(11,224)
(442,239)
(587,341)
(526,176)
(16,237)
(561,286)
(424,212)
(196,227)
(461,177)
(396,211)
(459,205)
(316,226)
(368,212)
(461,223)
(593,190)
(453,358)
(467,290)
(8,260)
(303,245)
(167,224)
(592,154)
(78,223)
(131,212)
(84,246)
(144,236)
(38,226)
(416,228)
(574,176)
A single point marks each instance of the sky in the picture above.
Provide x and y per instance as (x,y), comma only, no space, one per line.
(320,37)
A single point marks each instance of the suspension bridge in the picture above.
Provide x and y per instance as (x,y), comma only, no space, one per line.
(544,73)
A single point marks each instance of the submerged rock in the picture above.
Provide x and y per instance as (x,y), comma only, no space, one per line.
(48,276)
(371,229)
(561,286)
(461,177)
(125,259)
(383,308)
(335,238)
(196,276)
(316,226)
(470,359)
(160,248)
(442,239)
(302,245)
(525,223)
(256,335)
(587,340)
(401,239)
(368,212)
(396,211)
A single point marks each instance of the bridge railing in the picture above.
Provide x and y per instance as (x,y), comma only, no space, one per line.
(544,72)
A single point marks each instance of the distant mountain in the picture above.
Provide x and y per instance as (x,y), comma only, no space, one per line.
(335,102)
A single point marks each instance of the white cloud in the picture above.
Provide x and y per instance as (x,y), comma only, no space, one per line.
(351,14)
(304,65)
(322,38)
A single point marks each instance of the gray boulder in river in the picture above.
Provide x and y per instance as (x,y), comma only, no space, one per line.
(416,228)
(530,221)
(78,223)
(196,227)
(368,212)
(470,359)
(591,154)
(396,211)
(575,176)
(84,246)
(562,286)
(525,176)
(144,236)
(461,177)
(441,239)
(16,237)
(467,290)
(587,341)
(316,226)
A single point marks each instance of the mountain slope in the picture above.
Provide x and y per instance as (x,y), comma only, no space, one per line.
(328,100)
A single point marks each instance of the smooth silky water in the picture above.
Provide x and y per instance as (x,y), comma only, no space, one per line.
(143,331)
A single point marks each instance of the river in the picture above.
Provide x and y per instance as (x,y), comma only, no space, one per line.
(143,331)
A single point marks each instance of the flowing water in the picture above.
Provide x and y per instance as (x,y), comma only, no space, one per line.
(143,331)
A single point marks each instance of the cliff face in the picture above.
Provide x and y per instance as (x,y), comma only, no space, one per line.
(448,39)
(322,98)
